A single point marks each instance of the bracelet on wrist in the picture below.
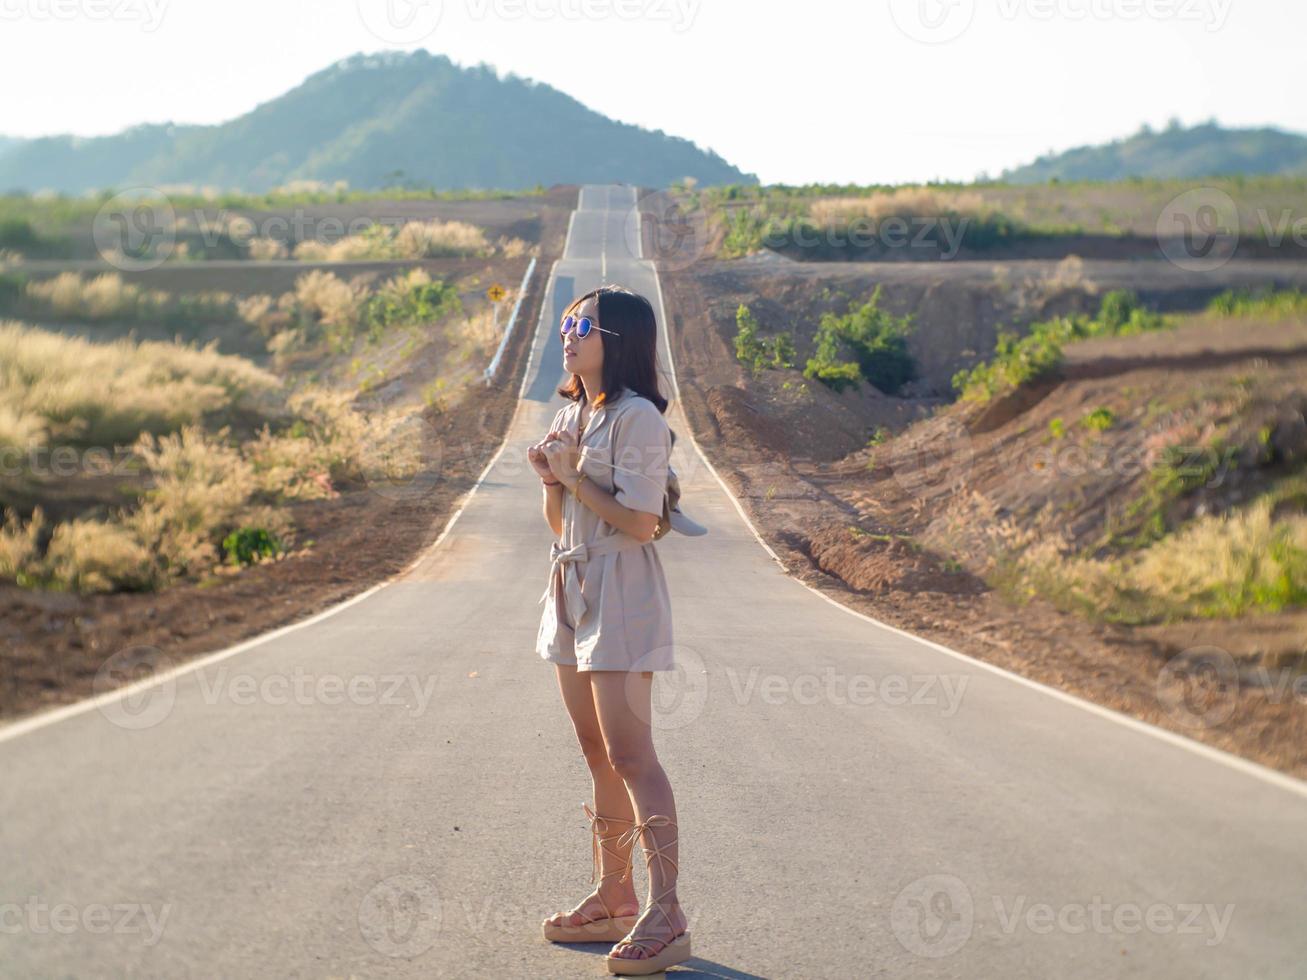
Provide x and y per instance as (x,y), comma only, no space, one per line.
(551,483)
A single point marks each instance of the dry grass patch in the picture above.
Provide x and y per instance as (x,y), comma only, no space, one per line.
(920,202)
(74,391)
(1215,567)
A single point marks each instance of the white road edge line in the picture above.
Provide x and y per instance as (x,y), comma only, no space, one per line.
(1247,766)
(50,716)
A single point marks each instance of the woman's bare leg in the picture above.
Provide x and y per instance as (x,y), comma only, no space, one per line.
(623,701)
(610,800)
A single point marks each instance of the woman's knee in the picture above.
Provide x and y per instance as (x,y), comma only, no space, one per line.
(593,748)
(632,761)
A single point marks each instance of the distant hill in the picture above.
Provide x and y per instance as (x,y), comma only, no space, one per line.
(8,143)
(379,120)
(1205,150)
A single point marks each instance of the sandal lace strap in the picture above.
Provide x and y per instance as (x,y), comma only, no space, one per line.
(599,827)
(653,945)
(636,833)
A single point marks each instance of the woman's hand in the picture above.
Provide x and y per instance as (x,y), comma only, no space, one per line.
(540,462)
(563,458)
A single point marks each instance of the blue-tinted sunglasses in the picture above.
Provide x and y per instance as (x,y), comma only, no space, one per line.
(582,326)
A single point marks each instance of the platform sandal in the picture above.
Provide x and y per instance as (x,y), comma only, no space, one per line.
(607,927)
(663,952)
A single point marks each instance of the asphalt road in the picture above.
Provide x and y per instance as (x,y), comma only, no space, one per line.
(393,789)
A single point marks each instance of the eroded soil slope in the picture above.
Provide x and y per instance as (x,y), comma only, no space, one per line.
(906,530)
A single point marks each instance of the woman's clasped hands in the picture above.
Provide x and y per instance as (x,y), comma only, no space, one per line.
(555,457)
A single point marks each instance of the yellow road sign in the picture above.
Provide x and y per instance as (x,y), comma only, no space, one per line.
(496,292)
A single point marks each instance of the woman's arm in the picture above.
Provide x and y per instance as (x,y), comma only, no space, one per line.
(637,523)
(553,495)
(554,508)
(641,444)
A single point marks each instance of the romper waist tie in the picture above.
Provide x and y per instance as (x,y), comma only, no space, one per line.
(569,558)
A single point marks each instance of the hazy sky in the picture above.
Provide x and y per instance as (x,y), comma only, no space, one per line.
(809,90)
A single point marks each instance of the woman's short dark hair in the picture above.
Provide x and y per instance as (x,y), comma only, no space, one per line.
(631,357)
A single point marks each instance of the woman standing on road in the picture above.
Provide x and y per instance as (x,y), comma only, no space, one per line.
(607,623)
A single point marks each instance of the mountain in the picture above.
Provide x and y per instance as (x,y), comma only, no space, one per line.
(1205,150)
(379,120)
(8,143)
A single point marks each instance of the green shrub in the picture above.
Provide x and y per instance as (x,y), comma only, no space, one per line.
(783,352)
(18,234)
(756,352)
(11,290)
(1016,361)
(247,545)
(1121,315)
(747,229)
(1116,308)
(408,300)
(1100,419)
(877,340)
(1259,303)
(748,348)
(836,375)
(1020,360)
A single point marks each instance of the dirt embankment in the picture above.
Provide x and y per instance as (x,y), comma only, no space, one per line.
(879,527)
(54,646)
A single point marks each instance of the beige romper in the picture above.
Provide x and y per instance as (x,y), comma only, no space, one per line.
(607,606)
